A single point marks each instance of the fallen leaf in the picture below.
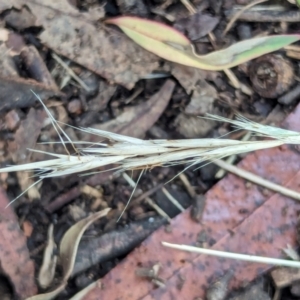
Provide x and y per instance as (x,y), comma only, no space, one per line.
(18,91)
(68,250)
(74,35)
(136,120)
(14,255)
(47,270)
(70,241)
(197,25)
(237,217)
(170,44)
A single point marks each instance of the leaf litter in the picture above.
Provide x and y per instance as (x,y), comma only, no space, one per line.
(98,15)
(68,250)
(70,33)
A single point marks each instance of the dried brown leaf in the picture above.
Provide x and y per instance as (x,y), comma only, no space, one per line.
(136,120)
(16,93)
(68,251)
(47,270)
(70,241)
(104,51)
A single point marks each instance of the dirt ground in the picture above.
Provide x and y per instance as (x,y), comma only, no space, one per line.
(90,74)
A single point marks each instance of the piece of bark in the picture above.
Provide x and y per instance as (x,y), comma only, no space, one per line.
(36,66)
(14,255)
(114,244)
(17,93)
(26,136)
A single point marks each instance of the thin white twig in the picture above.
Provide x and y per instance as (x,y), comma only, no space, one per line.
(258,180)
(237,256)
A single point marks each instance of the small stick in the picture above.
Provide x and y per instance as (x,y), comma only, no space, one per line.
(231,159)
(70,71)
(172,199)
(148,199)
(189,6)
(157,209)
(187,185)
(237,15)
(231,255)
(258,180)
(267,15)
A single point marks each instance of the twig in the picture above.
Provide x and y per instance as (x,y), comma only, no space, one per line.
(148,199)
(273,14)
(189,6)
(187,185)
(236,16)
(172,199)
(231,159)
(258,180)
(70,71)
(157,209)
(244,257)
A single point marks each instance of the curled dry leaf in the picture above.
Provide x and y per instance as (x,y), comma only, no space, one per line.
(172,45)
(68,250)
(47,270)
(70,241)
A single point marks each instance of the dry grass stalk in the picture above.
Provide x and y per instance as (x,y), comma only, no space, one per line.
(131,153)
